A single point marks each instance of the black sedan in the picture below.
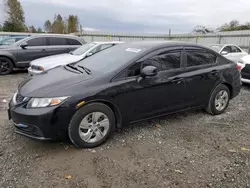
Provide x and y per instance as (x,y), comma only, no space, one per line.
(130,82)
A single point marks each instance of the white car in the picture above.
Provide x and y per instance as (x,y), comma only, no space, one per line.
(41,65)
(230,51)
(244,63)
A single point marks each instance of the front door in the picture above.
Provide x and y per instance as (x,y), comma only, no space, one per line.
(37,48)
(202,75)
(160,94)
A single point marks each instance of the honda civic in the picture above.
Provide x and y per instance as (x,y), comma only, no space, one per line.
(87,100)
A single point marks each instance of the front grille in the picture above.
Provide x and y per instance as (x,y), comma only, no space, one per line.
(19,98)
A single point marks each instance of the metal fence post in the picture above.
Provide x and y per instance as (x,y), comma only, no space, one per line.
(220,37)
(249,48)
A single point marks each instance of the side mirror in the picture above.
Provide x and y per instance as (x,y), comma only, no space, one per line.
(149,71)
(24,45)
(224,53)
(89,54)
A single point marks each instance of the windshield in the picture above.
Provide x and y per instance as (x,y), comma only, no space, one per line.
(216,48)
(8,41)
(83,49)
(111,59)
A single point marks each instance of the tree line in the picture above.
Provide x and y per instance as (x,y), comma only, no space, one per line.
(233,25)
(16,21)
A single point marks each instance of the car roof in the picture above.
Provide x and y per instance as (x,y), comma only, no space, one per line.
(108,42)
(151,45)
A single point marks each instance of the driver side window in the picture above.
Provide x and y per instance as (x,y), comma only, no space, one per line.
(162,61)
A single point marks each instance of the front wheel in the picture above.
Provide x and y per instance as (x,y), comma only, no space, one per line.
(6,66)
(91,125)
(219,100)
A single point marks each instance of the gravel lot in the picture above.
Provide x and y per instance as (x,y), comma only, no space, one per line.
(190,149)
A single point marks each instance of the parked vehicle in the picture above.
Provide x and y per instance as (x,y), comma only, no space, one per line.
(38,66)
(123,84)
(230,51)
(12,39)
(21,53)
(245,69)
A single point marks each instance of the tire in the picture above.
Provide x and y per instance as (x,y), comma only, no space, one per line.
(88,116)
(6,66)
(214,107)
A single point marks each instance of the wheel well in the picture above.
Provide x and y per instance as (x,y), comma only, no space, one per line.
(230,88)
(118,117)
(9,59)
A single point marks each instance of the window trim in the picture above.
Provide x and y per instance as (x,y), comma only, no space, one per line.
(149,55)
(199,66)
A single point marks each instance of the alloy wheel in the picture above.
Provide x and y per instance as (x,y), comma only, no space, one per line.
(221,100)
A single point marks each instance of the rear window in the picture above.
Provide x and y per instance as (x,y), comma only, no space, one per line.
(196,58)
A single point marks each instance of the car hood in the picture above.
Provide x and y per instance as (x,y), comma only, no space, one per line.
(56,60)
(48,83)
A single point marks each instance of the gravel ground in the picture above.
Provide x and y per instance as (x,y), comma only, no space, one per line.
(190,149)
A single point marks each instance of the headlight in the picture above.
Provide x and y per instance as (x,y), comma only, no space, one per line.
(45,102)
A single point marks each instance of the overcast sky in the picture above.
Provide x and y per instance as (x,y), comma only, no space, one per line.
(155,16)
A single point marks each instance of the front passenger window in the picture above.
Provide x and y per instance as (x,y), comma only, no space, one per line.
(165,61)
(134,70)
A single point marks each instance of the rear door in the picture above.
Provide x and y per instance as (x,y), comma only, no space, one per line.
(58,45)
(37,48)
(202,75)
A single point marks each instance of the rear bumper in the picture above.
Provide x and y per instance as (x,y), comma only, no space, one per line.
(246,81)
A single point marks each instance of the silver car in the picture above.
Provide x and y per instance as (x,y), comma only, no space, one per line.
(230,51)
(38,66)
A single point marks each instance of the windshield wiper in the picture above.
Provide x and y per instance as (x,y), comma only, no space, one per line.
(75,68)
(85,69)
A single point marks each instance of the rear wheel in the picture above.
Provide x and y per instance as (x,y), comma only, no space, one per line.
(91,125)
(219,100)
(6,66)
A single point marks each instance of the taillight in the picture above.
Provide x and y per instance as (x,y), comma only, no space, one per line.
(239,67)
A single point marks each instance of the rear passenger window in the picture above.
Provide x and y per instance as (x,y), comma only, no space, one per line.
(56,41)
(73,42)
(235,49)
(165,61)
(196,58)
(41,41)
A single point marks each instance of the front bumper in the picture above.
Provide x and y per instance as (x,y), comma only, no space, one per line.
(48,123)
(33,72)
(246,81)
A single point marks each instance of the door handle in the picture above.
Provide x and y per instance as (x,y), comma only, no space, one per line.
(43,50)
(177,80)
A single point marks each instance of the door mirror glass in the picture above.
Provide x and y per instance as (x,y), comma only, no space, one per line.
(24,45)
(149,71)
(224,53)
